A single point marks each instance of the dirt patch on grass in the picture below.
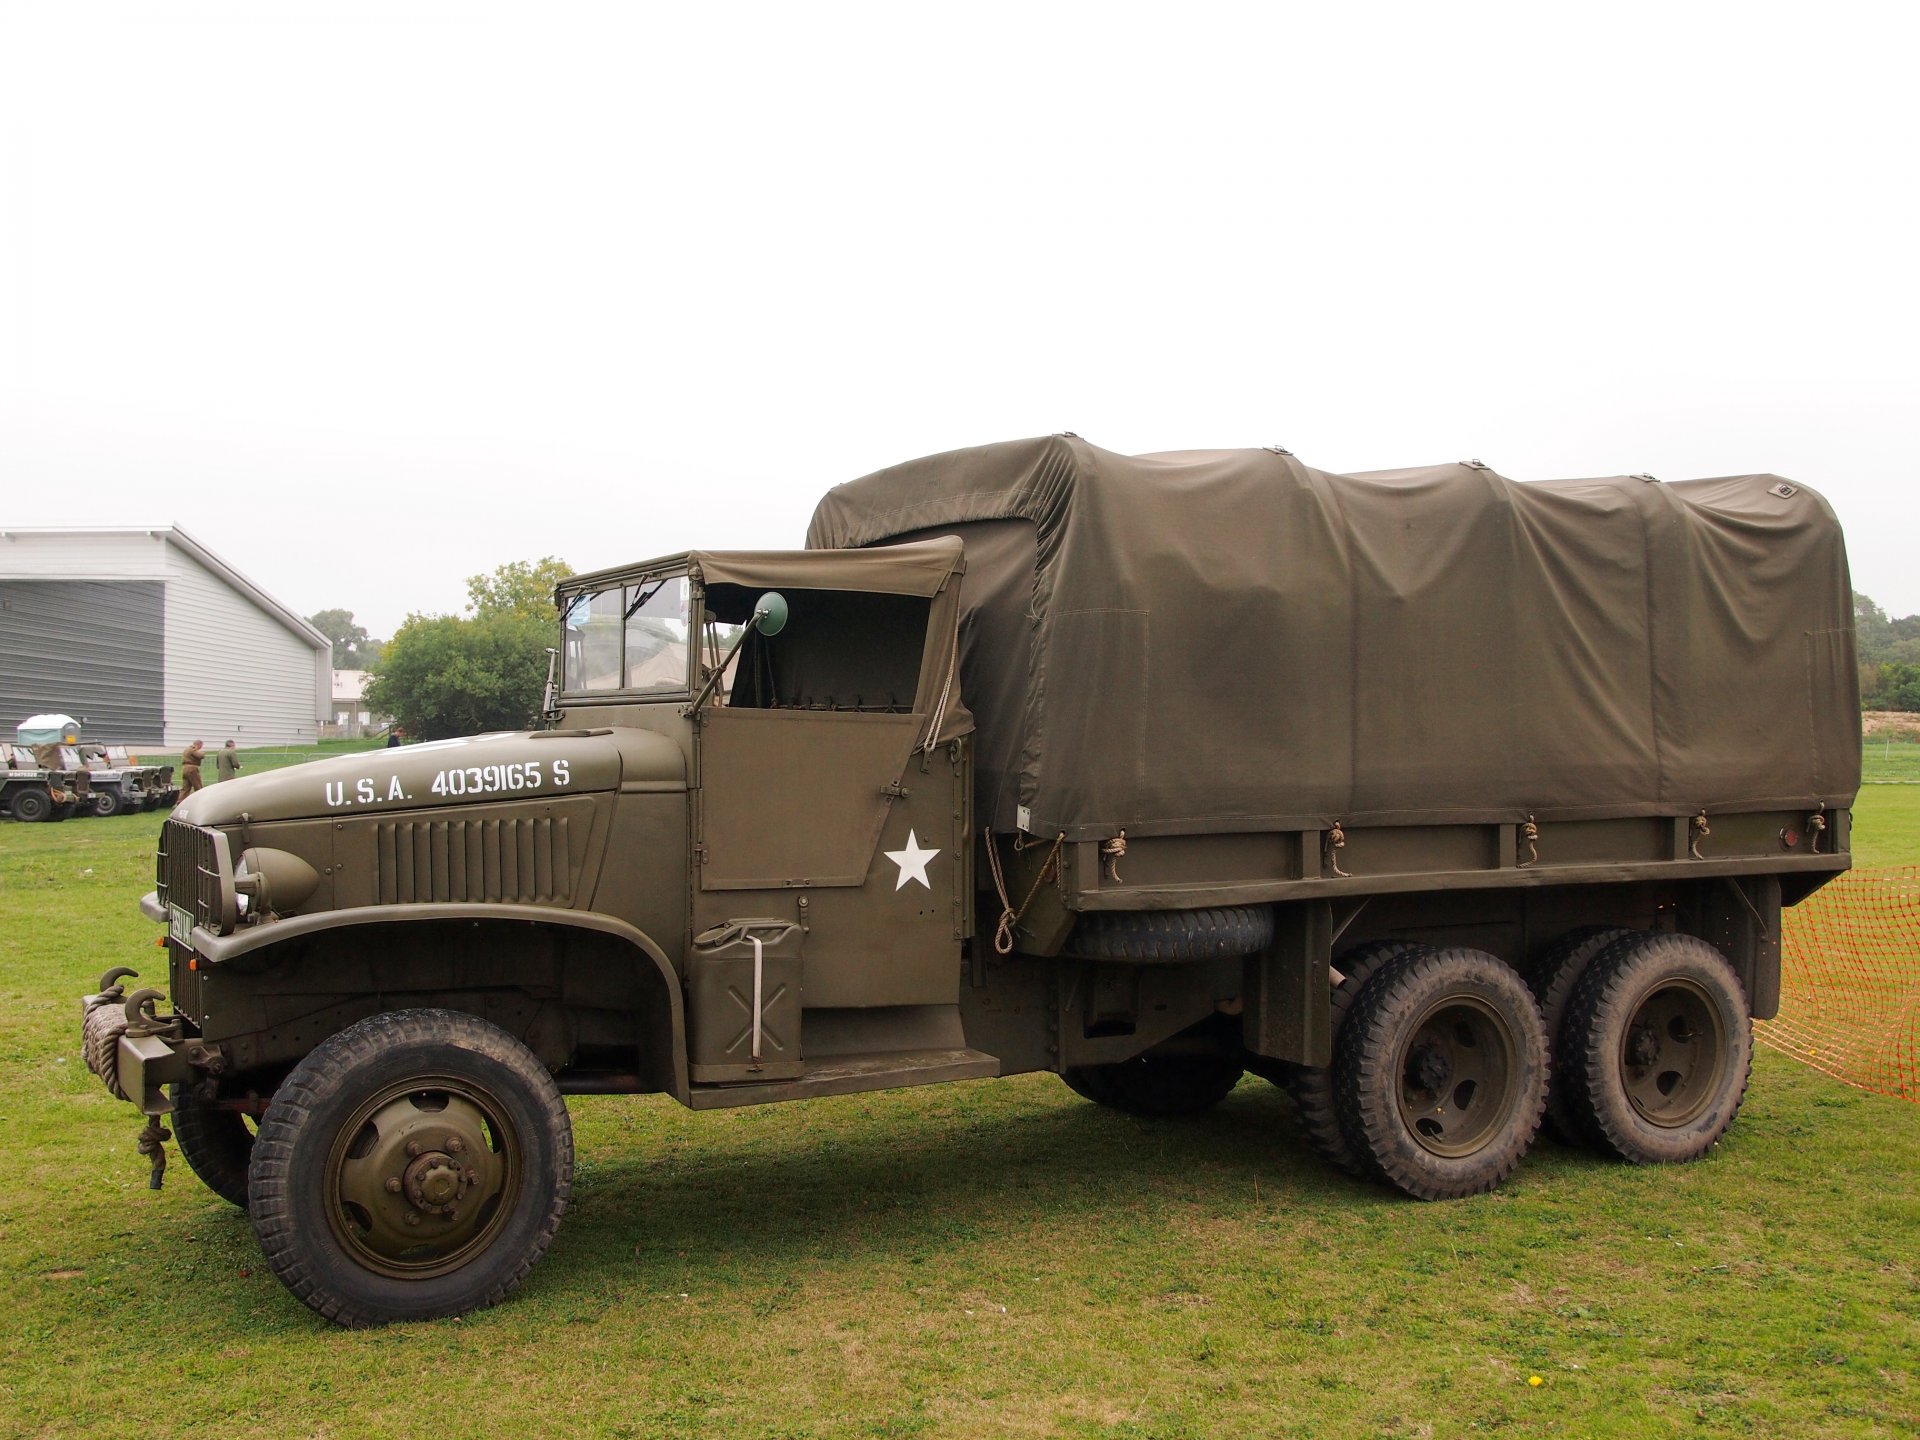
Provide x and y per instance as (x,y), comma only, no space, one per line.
(1891,725)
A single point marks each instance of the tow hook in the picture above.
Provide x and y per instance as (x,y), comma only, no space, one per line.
(142,1021)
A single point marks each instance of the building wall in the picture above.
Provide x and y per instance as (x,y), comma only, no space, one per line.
(92,649)
(230,666)
(233,670)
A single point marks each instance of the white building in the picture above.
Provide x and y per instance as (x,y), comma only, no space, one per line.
(152,639)
(351,716)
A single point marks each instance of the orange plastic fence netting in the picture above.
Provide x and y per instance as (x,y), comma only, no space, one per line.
(1850,982)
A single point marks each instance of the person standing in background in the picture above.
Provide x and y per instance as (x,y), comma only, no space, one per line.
(229,761)
(190,760)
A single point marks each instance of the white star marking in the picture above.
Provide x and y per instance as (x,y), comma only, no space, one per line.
(912,862)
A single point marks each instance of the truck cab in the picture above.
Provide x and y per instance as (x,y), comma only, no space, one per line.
(826,884)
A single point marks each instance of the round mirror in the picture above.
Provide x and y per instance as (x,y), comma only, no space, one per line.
(770,613)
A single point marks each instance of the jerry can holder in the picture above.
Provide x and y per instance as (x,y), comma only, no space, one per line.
(743,994)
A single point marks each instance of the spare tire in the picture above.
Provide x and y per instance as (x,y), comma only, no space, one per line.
(1149,936)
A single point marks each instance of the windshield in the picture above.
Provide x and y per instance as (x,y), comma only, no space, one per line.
(628,637)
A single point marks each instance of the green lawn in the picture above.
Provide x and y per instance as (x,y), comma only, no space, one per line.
(994,1258)
(271,757)
(1886,761)
(1886,825)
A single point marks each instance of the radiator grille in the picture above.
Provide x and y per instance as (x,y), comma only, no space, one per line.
(185,872)
(518,860)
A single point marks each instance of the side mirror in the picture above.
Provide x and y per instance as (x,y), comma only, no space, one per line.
(769,618)
(770,613)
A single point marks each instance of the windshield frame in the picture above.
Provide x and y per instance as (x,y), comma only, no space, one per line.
(570,596)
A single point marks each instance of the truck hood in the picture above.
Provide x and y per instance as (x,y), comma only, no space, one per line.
(516,765)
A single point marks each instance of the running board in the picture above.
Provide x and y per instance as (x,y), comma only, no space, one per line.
(850,1074)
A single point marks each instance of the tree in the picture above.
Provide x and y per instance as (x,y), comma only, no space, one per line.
(1889,652)
(446,675)
(520,587)
(352,649)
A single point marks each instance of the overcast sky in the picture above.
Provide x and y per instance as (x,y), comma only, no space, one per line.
(370,298)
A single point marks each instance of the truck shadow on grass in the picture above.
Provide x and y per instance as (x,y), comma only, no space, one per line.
(856,1181)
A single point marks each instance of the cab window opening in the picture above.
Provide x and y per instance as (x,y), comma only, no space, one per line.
(841,650)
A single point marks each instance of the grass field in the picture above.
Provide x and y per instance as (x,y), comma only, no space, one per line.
(277,756)
(1890,761)
(994,1258)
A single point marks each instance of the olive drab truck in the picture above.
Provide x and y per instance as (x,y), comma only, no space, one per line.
(1457,807)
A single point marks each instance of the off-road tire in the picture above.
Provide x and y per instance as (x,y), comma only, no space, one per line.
(1463,1007)
(30,805)
(1311,1086)
(1645,978)
(1552,980)
(1163,1087)
(216,1144)
(107,802)
(1146,936)
(289,1200)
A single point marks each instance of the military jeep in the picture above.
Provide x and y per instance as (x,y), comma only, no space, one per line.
(35,785)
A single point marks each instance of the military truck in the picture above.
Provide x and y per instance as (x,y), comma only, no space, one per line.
(1446,802)
(35,785)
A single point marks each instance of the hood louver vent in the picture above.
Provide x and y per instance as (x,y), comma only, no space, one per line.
(525,861)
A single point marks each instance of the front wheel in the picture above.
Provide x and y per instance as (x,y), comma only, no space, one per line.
(107,802)
(32,805)
(415,1165)
(216,1143)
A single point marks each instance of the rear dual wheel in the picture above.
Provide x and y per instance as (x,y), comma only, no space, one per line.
(1440,1076)
(1656,1049)
(1553,980)
(1311,1086)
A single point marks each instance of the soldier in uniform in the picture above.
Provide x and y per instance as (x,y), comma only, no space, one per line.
(190,768)
(229,761)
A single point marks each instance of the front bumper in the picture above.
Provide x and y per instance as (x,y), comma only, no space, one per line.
(136,1053)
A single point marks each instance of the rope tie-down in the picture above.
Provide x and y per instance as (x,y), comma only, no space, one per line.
(1010,917)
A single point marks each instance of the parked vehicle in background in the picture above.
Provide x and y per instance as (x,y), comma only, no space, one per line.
(121,783)
(1445,802)
(33,789)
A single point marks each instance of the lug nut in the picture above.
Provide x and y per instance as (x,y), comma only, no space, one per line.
(393,1184)
(413,1148)
(413,1217)
(454,1145)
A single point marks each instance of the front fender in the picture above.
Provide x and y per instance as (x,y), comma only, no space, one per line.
(220,949)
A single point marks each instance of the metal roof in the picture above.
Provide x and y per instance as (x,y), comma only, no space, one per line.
(174,535)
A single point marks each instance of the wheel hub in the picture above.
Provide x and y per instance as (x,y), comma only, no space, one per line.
(435,1183)
(1643,1045)
(1456,1077)
(1430,1069)
(1673,1054)
(421,1177)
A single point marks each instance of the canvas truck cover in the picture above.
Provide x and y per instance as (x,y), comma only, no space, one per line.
(1230,640)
